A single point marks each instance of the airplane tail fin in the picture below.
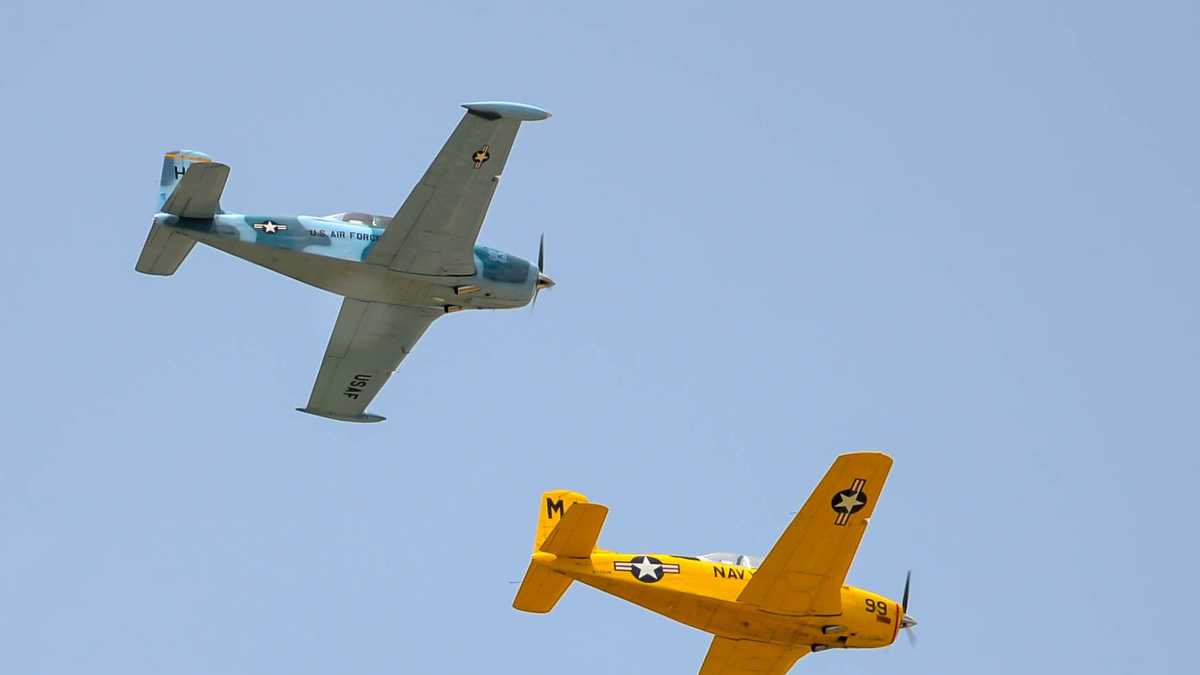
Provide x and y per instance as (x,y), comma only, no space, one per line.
(198,195)
(568,527)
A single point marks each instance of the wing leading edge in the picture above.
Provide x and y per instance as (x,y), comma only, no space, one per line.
(804,572)
(369,341)
(435,229)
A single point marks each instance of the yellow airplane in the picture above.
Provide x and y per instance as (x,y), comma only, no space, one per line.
(765,614)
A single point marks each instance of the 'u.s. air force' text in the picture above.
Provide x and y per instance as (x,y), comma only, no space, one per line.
(342,234)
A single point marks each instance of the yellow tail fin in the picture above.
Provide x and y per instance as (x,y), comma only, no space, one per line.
(568,526)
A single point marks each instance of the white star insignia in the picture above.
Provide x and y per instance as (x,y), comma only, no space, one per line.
(646,568)
(270,227)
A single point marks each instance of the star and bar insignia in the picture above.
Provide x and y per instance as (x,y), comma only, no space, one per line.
(482,155)
(270,227)
(645,568)
(849,501)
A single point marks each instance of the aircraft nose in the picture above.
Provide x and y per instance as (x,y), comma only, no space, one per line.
(907,622)
(544,281)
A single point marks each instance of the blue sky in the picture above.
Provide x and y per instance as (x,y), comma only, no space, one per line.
(963,233)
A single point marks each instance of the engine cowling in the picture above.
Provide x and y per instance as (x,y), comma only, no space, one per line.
(868,619)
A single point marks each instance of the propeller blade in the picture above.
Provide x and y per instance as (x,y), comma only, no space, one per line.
(907,622)
(543,281)
(537,289)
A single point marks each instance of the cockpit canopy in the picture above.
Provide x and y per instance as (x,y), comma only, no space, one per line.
(736,559)
(360,218)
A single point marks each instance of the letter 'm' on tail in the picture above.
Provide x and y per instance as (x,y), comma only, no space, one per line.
(568,527)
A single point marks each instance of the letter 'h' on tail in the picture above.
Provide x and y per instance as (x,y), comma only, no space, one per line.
(568,527)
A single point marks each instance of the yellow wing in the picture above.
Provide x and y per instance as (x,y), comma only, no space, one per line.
(745,657)
(804,572)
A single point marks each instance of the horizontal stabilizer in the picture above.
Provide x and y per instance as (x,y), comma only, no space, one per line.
(163,251)
(576,534)
(198,194)
(540,589)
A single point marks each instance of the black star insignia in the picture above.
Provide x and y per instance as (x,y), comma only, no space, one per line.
(482,155)
(849,501)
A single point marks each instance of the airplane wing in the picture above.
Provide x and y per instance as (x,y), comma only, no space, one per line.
(434,231)
(369,341)
(746,657)
(804,572)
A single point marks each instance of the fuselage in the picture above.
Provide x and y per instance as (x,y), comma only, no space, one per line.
(331,253)
(704,594)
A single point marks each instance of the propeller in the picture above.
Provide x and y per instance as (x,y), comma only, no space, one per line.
(543,281)
(907,622)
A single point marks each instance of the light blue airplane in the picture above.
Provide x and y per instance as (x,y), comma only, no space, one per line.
(397,274)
